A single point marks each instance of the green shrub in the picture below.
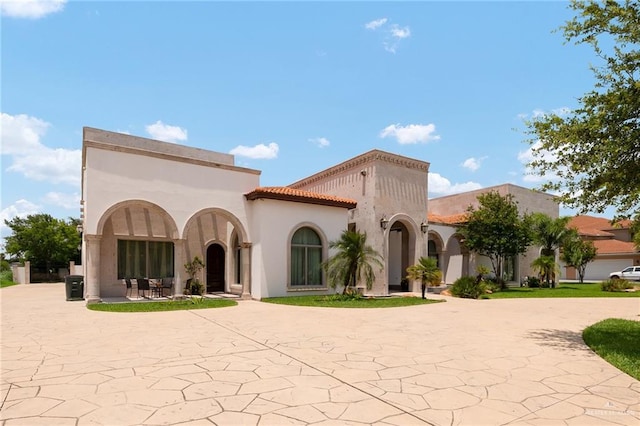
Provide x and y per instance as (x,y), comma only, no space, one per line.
(533,282)
(342,297)
(468,287)
(197,288)
(5,265)
(615,285)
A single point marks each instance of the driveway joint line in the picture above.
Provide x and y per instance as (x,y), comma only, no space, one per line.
(402,410)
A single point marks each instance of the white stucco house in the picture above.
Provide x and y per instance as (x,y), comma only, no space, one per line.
(148,207)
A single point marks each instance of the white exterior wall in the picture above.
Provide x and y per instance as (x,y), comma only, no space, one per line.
(273,223)
(180,188)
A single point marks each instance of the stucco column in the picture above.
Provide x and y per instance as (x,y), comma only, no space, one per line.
(245,255)
(178,266)
(92,280)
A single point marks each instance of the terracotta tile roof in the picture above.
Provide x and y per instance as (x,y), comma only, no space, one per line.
(595,226)
(454,219)
(614,247)
(285,193)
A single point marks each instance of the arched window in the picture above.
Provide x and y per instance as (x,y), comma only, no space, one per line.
(306,258)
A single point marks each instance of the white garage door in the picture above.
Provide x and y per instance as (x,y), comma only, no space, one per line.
(600,269)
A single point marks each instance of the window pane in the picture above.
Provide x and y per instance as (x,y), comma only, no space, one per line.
(314,272)
(297,266)
(306,236)
(132,259)
(160,259)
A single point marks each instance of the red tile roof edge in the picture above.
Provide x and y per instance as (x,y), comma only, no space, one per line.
(284,193)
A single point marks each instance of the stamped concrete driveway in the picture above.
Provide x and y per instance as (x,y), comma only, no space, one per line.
(493,362)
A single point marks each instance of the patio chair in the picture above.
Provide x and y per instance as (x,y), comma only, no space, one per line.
(167,283)
(143,284)
(127,283)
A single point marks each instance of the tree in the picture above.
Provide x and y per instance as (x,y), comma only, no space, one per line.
(496,230)
(594,150)
(635,231)
(425,271)
(43,240)
(549,234)
(577,253)
(353,261)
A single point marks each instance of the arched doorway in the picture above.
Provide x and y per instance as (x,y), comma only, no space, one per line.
(398,256)
(215,268)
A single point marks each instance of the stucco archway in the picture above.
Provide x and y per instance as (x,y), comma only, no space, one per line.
(216,227)
(401,250)
(135,239)
(456,259)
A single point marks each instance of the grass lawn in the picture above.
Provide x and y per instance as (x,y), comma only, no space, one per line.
(563,290)
(330,301)
(173,305)
(7,284)
(616,340)
(6,279)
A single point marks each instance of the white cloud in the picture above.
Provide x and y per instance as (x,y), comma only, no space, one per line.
(375,24)
(30,9)
(539,113)
(21,133)
(21,208)
(473,163)
(21,136)
(399,33)
(52,165)
(320,142)
(527,156)
(165,132)
(261,151)
(65,200)
(392,34)
(411,134)
(442,186)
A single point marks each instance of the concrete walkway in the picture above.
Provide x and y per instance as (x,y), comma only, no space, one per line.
(463,362)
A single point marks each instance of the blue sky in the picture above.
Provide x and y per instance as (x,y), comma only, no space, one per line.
(290,88)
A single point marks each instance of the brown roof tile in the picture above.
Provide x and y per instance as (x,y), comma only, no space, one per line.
(595,226)
(454,219)
(285,193)
(614,247)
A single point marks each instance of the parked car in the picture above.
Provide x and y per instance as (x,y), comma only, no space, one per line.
(631,273)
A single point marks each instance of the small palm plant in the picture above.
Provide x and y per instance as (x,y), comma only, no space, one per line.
(547,267)
(426,271)
(193,268)
(353,262)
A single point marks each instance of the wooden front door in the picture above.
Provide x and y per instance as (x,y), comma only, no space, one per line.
(215,268)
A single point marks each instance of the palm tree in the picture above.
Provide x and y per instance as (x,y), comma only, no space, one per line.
(425,271)
(547,267)
(353,261)
(549,234)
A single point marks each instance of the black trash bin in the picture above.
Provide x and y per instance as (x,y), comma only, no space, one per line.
(75,287)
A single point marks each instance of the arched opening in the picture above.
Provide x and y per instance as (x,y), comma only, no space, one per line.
(220,240)
(398,257)
(137,241)
(215,268)
(457,259)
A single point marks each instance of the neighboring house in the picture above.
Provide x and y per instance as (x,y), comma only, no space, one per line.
(446,244)
(148,207)
(614,244)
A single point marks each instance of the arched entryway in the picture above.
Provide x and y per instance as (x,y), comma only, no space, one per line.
(215,267)
(400,255)
(218,238)
(457,259)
